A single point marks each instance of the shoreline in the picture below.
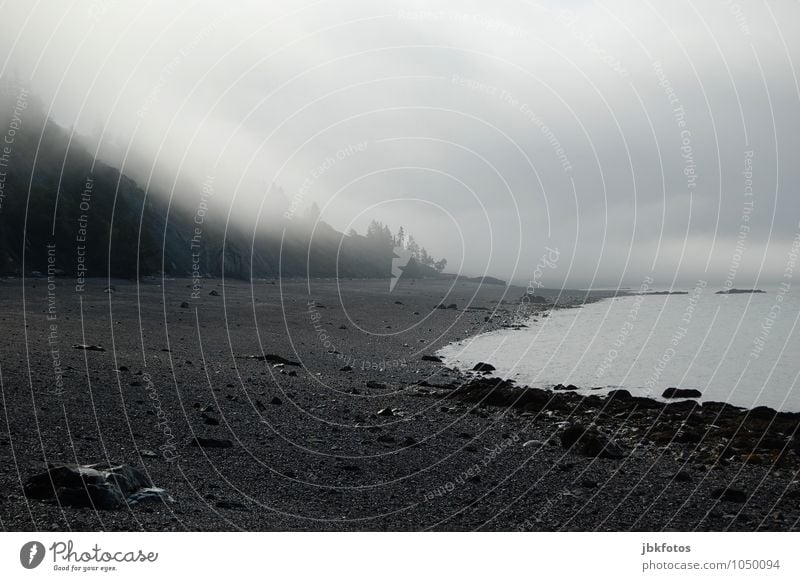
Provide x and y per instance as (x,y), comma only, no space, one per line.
(656,395)
(316,446)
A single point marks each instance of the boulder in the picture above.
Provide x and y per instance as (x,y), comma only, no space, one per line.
(675,392)
(481,366)
(99,486)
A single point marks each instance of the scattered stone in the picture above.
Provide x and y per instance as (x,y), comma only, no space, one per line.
(211,443)
(676,392)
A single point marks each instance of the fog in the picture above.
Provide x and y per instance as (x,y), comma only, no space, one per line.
(634,138)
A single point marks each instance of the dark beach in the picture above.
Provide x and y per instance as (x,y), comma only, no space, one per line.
(393,444)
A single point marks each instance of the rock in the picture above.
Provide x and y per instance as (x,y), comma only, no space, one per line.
(209,420)
(562,387)
(674,392)
(386,439)
(213,293)
(432,358)
(83,347)
(151,494)
(683,476)
(199,442)
(346,368)
(481,366)
(452,306)
(376,385)
(729,494)
(184,305)
(739,291)
(99,486)
(590,441)
(275,359)
(276,401)
(386,412)
(398,303)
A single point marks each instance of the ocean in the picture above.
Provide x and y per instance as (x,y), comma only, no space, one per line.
(743,349)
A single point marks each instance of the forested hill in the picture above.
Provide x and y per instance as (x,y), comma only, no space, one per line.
(61,211)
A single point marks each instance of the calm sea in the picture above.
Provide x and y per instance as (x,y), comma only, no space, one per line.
(742,349)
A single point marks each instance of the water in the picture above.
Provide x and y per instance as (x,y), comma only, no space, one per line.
(742,349)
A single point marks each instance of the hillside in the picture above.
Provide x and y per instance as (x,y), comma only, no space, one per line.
(64,211)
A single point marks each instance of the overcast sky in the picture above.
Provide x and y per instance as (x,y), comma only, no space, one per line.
(618,133)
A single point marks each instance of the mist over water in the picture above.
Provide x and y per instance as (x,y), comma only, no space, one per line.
(741,349)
